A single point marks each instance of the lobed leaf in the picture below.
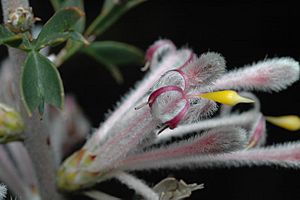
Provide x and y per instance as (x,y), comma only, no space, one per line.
(60,23)
(40,83)
(59,4)
(112,54)
(116,53)
(80,25)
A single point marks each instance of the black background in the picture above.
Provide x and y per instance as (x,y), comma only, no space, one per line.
(243,32)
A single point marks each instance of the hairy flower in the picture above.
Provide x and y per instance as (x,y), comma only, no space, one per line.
(17,172)
(179,92)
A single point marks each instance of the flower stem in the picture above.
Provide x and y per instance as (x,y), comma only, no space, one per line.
(36,133)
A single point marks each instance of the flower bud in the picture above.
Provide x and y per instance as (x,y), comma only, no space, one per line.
(21,19)
(11,124)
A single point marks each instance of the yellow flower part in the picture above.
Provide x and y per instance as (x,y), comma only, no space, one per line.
(227,97)
(289,122)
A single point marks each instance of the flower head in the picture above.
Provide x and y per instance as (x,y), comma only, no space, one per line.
(178,92)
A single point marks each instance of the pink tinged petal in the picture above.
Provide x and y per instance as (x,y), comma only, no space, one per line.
(69,128)
(169,105)
(268,75)
(180,59)
(158,48)
(125,130)
(212,142)
(23,163)
(284,155)
(128,134)
(205,69)
(172,123)
(172,77)
(257,135)
(9,174)
(243,119)
(188,58)
(137,96)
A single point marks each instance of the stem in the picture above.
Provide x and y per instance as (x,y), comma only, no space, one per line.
(36,133)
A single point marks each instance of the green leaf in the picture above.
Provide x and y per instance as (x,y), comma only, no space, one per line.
(113,69)
(9,38)
(116,53)
(77,37)
(111,12)
(80,25)
(56,4)
(60,23)
(112,54)
(59,4)
(40,82)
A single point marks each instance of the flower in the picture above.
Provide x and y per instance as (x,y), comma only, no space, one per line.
(17,172)
(180,91)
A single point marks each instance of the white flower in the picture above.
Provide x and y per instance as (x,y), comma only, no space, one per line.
(179,91)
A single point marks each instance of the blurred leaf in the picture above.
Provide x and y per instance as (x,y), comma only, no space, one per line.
(59,4)
(116,53)
(112,54)
(9,38)
(113,69)
(40,82)
(56,4)
(75,36)
(62,37)
(58,25)
(54,40)
(112,10)
(80,25)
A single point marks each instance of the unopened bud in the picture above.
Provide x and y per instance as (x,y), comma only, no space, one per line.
(11,124)
(21,19)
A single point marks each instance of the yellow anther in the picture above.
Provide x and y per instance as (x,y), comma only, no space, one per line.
(289,122)
(227,97)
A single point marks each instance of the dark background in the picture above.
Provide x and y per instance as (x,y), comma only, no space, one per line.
(243,32)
